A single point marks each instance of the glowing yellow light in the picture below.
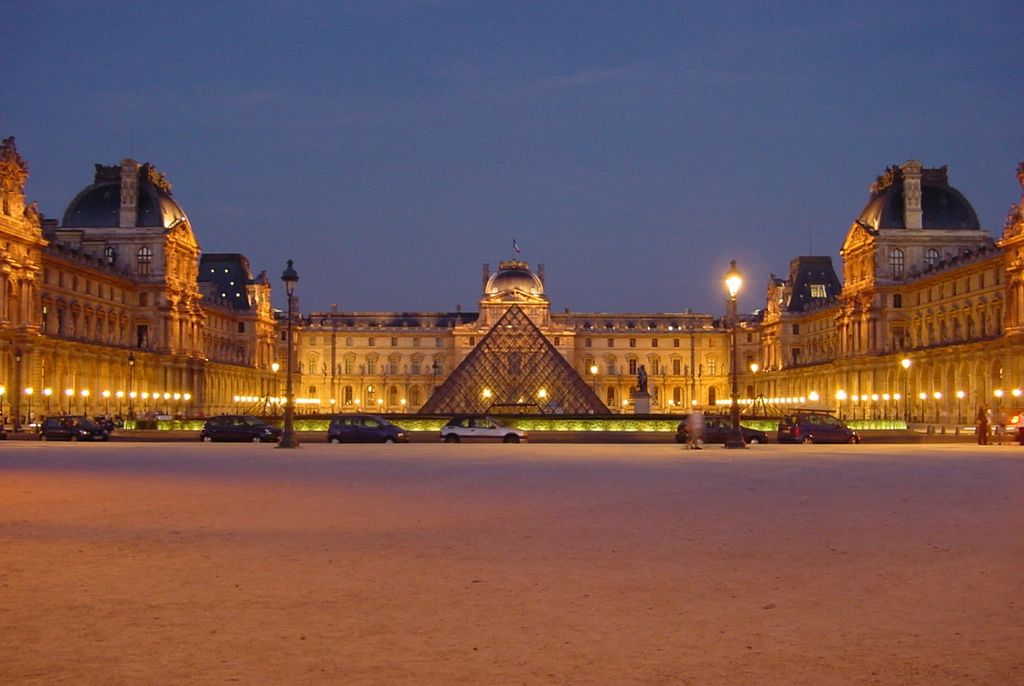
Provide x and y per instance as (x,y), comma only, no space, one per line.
(814,396)
(922,395)
(840,395)
(542,393)
(754,366)
(46,391)
(733,279)
(960,395)
(905,362)
(119,395)
(29,390)
(69,392)
(998,393)
(937,395)
(487,393)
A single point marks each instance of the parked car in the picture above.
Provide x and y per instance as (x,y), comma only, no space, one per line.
(232,427)
(1015,425)
(72,428)
(815,427)
(717,429)
(480,428)
(364,428)
(106,422)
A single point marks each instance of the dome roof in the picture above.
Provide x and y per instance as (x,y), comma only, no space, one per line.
(99,205)
(942,206)
(513,275)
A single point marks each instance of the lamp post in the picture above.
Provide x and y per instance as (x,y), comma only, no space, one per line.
(840,397)
(69,393)
(16,398)
(905,363)
(593,373)
(85,402)
(276,367)
(131,386)
(106,402)
(120,398)
(922,396)
(47,392)
(733,282)
(436,367)
(290,277)
(28,394)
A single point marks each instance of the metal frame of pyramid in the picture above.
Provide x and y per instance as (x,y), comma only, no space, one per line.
(506,373)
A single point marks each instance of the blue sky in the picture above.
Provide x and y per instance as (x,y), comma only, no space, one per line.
(390,148)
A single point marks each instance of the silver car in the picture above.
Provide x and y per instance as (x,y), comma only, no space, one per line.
(480,428)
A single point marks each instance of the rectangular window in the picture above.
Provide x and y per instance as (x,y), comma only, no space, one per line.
(611,342)
(558,341)
(371,342)
(438,342)
(348,365)
(632,366)
(348,341)
(796,329)
(394,342)
(676,367)
(818,290)
(415,342)
(675,342)
(796,355)
(654,342)
(897,300)
(632,342)
(371,366)
(241,327)
(588,343)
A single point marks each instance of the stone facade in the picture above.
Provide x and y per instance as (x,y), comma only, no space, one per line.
(392,361)
(930,287)
(105,313)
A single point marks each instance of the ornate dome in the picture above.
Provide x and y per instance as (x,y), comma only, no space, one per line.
(513,275)
(942,206)
(99,205)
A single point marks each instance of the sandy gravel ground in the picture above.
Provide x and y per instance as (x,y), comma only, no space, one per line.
(531,564)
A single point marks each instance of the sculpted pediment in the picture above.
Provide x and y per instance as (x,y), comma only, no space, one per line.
(858,237)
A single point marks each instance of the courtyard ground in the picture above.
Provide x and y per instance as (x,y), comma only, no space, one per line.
(126,563)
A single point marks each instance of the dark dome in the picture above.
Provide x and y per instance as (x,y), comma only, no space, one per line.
(942,206)
(99,205)
(514,275)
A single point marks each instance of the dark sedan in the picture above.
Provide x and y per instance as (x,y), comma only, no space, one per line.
(717,430)
(72,428)
(239,428)
(364,428)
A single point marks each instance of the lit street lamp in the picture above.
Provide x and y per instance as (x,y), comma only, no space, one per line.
(131,386)
(47,392)
(905,363)
(28,394)
(593,373)
(959,401)
(288,440)
(840,397)
(69,393)
(733,283)
(85,402)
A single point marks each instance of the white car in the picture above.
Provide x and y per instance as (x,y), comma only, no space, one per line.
(480,428)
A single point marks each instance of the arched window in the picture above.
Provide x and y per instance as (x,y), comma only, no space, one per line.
(392,396)
(677,395)
(414,395)
(931,257)
(144,257)
(610,397)
(896,263)
(712,396)
(347,395)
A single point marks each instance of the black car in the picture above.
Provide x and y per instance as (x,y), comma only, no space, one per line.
(815,427)
(717,429)
(364,428)
(72,428)
(232,427)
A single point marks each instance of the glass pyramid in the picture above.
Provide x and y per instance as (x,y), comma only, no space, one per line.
(514,370)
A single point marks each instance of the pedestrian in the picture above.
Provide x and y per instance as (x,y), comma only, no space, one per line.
(999,425)
(694,430)
(981,424)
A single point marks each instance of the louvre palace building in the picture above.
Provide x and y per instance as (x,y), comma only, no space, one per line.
(115,309)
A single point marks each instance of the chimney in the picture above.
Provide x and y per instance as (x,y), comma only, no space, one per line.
(911,194)
(129,193)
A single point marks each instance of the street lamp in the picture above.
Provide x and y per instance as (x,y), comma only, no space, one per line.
(290,277)
(16,398)
(733,282)
(276,367)
(69,393)
(905,363)
(938,397)
(106,402)
(131,386)
(593,373)
(85,402)
(922,396)
(840,397)
(47,392)
(959,401)
(28,393)
(120,398)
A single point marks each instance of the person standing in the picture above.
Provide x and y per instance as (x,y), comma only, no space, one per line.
(981,424)
(694,430)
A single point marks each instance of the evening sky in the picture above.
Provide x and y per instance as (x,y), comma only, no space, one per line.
(390,148)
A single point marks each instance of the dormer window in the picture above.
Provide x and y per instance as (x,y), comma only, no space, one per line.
(818,290)
(931,257)
(144,258)
(896,263)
